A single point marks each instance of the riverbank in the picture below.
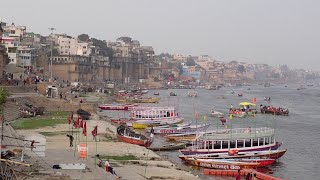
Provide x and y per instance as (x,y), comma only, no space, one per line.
(129,161)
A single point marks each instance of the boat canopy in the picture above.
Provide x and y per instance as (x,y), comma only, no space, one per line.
(246,104)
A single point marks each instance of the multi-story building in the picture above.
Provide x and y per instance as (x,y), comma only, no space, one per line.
(11,48)
(72,68)
(26,56)
(179,57)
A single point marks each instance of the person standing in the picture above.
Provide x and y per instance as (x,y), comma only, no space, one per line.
(238,175)
(70,139)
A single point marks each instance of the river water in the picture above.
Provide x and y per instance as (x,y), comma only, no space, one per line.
(299,132)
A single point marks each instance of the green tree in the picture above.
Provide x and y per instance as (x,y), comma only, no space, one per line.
(190,62)
(3,98)
(125,39)
(241,69)
(84,37)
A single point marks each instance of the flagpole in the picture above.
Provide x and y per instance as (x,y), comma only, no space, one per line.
(75,143)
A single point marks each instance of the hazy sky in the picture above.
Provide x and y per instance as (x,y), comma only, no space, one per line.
(262,31)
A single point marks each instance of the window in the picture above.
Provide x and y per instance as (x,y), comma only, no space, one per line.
(266,140)
(225,144)
(232,144)
(240,143)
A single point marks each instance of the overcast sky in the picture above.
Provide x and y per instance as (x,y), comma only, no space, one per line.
(260,31)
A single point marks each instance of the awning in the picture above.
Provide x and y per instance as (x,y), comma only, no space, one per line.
(246,104)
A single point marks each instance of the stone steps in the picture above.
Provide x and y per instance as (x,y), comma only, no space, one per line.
(11,111)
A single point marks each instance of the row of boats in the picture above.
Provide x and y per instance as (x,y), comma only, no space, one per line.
(227,149)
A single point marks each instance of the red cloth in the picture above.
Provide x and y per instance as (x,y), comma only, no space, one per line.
(84,130)
(76,123)
(81,123)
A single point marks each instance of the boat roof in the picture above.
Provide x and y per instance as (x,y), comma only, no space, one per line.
(238,133)
(153,108)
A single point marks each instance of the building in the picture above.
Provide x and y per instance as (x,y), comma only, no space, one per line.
(3,59)
(72,68)
(11,48)
(26,56)
(179,57)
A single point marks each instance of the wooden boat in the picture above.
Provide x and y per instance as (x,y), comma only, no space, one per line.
(156,93)
(274,110)
(193,94)
(175,130)
(169,147)
(121,120)
(237,113)
(116,107)
(274,154)
(145,100)
(184,124)
(248,108)
(173,94)
(240,94)
(216,114)
(182,137)
(242,139)
(221,164)
(121,100)
(125,134)
(142,124)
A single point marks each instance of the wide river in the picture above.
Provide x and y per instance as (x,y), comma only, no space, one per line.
(299,132)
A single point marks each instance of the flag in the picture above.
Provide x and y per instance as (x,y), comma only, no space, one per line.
(76,123)
(230,117)
(94,132)
(69,119)
(80,123)
(84,130)
(205,119)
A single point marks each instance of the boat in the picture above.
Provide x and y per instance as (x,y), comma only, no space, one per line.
(168,147)
(237,113)
(125,134)
(221,164)
(156,93)
(216,114)
(273,154)
(145,100)
(192,94)
(175,130)
(232,92)
(116,107)
(173,94)
(241,139)
(240,94)
(267,98)
(142,124)
(182,137)
(121,120)
(154,113)
(274,110)
(184,124)
(248,108)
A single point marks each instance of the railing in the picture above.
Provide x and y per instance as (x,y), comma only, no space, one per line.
(238,133)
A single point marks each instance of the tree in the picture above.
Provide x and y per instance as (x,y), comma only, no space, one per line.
(241,69)
(3,98)
(125,39)
(190,62)
(83,37)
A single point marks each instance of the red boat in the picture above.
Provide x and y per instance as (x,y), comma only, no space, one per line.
(116,107)
(273,154)
(125,134)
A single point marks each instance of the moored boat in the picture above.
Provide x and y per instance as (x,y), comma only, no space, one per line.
(186,129)
(142,124)
(273,154)
(145,100)
(125,134)
(121,120)
(173,94)
(116,107)
(168,147)
(156,93)
(242,139)
(221,164)
(192,94)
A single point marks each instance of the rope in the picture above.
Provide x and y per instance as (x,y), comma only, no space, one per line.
(41,159)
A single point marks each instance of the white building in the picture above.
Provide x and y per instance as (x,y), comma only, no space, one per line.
(25,56)
(11,47)
(71,46)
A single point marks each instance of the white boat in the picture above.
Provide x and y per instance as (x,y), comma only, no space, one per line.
(192,94)
(216,114)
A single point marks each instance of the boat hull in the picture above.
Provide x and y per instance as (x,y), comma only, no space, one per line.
(208,151)
(182,130)
(221,165)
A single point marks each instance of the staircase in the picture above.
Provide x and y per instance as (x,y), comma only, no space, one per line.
(11,110)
